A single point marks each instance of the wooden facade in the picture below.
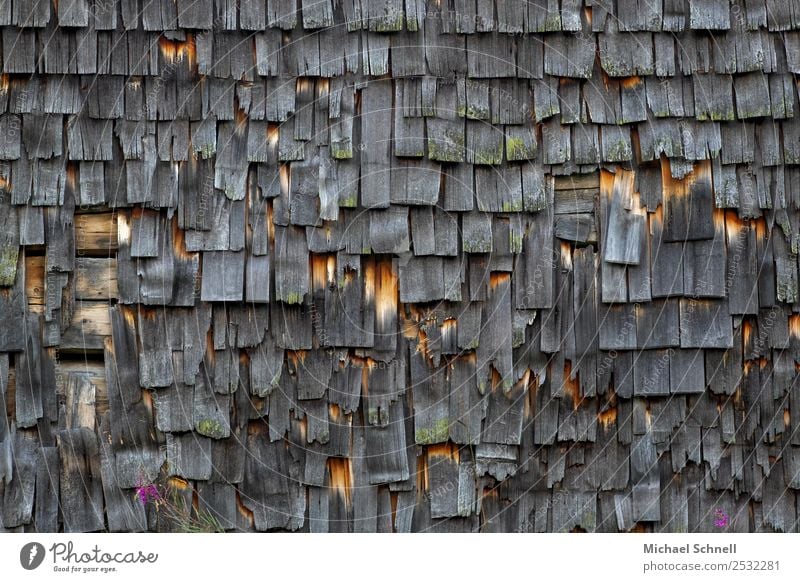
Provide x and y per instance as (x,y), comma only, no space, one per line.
(400,265)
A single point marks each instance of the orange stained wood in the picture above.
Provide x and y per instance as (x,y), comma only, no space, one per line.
(734,227)
(747,367)
(572,387)
(346,278)
(240,118)
(284,175)
(605,78)
(129,315)
(566,255)
(393,496)
(179,243)
(670,187)
(620,183)
(304,85)
(750,365)
(533,390)
(357,361)
(700,174)
(498,278)
(178,483)
(607,417)
(303,424)
(340,472)
(273,133)
(656,220)
(147,400)
(449,325)
(366,369)
(409,321)
(526,378)
(529,382)
(211,353)
(422,344)
(489,493)
(386,292)
(794,325)
(330,269)
(148,313)
(747,332)
(631,82)
(270,224)
(495,378)
(246,514)
(441,451)
(760,225)
(296,357)
(606,183)
(177,51)
(34,281)
(72,176)
(257,429)
(718,216)
(368,275)
(738,395)
(636,204)
(323,270)
(423,482)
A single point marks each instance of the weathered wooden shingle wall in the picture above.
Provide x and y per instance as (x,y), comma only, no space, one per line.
(397,265)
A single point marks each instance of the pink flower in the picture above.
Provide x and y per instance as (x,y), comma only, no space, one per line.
(720,518)
(147,492)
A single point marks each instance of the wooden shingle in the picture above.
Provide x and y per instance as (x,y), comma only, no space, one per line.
(399,266)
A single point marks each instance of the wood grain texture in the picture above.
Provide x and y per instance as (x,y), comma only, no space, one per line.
(399,265)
